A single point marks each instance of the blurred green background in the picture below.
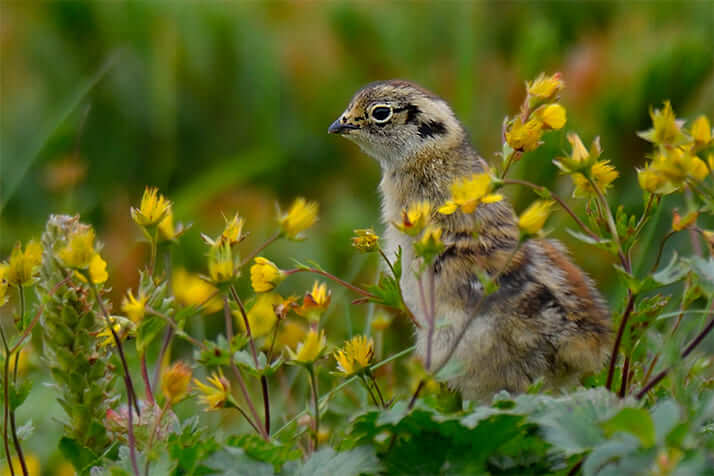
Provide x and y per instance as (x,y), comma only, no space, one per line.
(225,107)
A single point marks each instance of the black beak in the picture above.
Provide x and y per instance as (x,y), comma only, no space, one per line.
(338,127)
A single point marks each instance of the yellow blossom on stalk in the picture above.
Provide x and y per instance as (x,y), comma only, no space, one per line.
(679,164)
(679,223)
(310,349)
(315,302)
(532,220)
(233,231)
(22,267)
(265,275)
(552,116)
(153,208)
(217,394)
(175,382)
(430,244)
(355,355)
(221,267)
(167,232)
(545,87)
(701,131)
(190,290)
(261,316)
(121,329)
(365,240)
(652,181)
(134,307)
(79,251)
(98,269)
(667,129)
(415,217)
(525,137)
(301,216)
(469,192)
(602,173)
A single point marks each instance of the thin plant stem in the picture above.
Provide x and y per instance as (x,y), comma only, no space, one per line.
(539,189)
(152,436)
(429,322)
(266,403)
(316,405)
(376,387)
(666,237)
(344,384)
(11,411)
(21,298)
(165,344)
(369,390)
(6,404)
(255,252)
(625,375)
(618,338)
(147,383)
(687,350)
(127,376)
(334,278)
(413,400)
(243,313)
(175,326)
(272,341)
(238,375)
(130,434)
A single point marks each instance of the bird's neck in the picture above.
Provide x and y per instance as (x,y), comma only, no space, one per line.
(426,174)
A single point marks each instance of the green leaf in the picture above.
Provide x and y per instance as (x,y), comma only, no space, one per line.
(78,455)
(602,242)
(149,328)
(636,421)
(665,416)
(328,462)
(268,451)
(610,451)
(19,393)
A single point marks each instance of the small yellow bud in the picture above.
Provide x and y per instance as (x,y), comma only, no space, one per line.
(415,217)
(79,251)
(221,267)
(98,269)
(233,231)
(175,382)
(301,216)
(264,275)
(381,322)
(679,223)
(315,302)
(602,173)
(532,220)
(667,129)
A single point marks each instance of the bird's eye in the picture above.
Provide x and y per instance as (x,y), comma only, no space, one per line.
(381,113)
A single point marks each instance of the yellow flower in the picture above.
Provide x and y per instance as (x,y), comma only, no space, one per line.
(552,116)
(23,362)
(532,220)
(309,350)
(98,269)
(315,302)
(33,465)
(667,129)
(233,231)
(133,307)
(653,181)
(190,290)
(469,192)
(415,218)
(365,241)
(217,394)
(355,355)
(261,316)
(301,216)
(21,268)
(264,275)
(545,87)
(430,244)
(175,382)
(525,137)
(431,236)
(701,131)
(221,267)
(79,251)
(121,330)
(602,173)
(153,208)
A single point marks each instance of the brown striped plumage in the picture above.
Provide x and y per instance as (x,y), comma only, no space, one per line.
(546,319)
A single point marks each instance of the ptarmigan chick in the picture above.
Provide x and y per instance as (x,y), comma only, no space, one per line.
(546,319)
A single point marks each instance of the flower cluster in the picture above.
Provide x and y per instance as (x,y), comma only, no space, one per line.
(468,193)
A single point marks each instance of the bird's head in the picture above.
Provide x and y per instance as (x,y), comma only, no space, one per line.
(395,120)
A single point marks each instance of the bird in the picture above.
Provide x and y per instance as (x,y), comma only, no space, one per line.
(545,322)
